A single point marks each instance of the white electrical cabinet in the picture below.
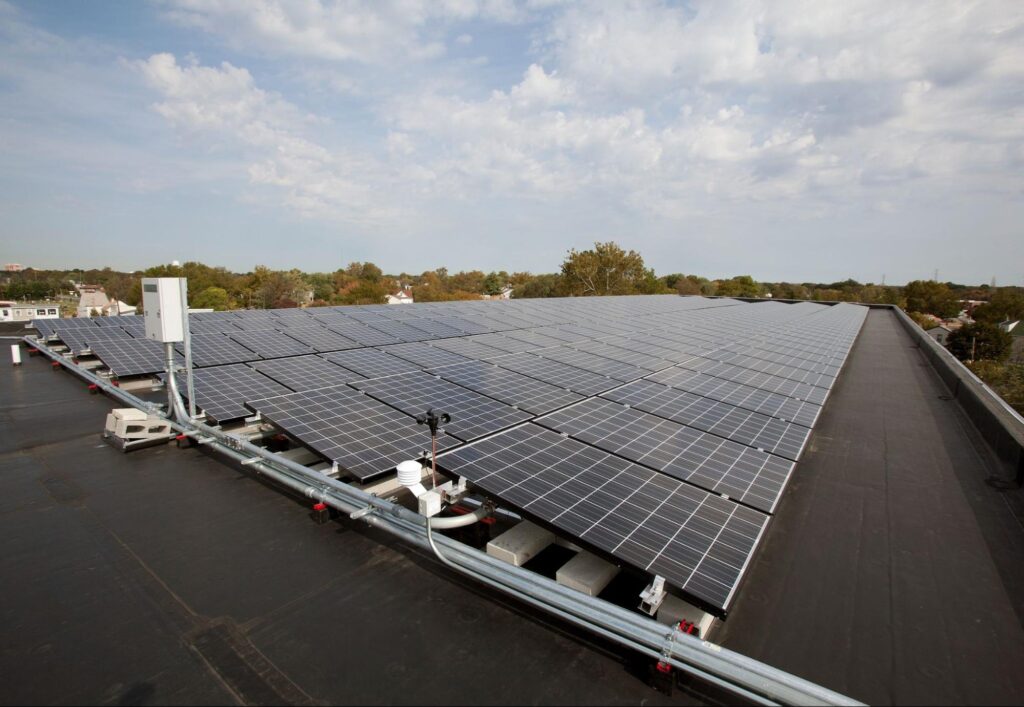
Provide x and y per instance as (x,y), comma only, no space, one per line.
(164,300)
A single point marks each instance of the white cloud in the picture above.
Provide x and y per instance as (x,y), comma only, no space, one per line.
(224,105)
(366,31)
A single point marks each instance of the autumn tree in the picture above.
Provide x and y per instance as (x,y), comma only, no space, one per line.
(980,341)
(739,286)
(1006,303)
(605,270)
(931,297)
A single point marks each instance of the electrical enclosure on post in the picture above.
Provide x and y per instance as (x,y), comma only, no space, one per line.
(163,299)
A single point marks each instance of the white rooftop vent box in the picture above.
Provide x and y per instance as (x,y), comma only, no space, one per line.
(165,300)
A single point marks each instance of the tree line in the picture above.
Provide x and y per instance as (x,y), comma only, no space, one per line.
(605,269)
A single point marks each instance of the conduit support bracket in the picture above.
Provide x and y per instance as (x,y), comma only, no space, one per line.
(356,515)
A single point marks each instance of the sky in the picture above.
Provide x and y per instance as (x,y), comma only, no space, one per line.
(794,140)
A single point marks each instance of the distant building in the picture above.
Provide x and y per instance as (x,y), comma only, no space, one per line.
(13,267)
(940,333)
(117,308)
(1009,325)
(506,293)
(11,311)
(92,302)
(403,296)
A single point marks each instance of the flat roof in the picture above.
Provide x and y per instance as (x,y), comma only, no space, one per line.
(893,571)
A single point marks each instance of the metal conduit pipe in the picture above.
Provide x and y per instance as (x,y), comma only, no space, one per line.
(450,522)
(719,665)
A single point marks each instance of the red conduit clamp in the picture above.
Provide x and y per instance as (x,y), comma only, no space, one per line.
(55,365)
(93,388)
(664,667)
(321,506)
(115,383)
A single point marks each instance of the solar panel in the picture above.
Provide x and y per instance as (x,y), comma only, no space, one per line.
(210,326)
(423,355)
(44,327)
(593,363)
(367,336)
(222,391)
(321,339)
(526,393)
(558,374)
(216,350)
(699,542)
(402,331)
(301,373)
(131,357)
(713,463)
(255,323)
(271,344)
(434,328)
(371,363)
(465,346)
(744,426)
(539,341)
(473,415)
(502,342)
(640,359)
(78,340)
(365,437)
(744,396)
(776,384)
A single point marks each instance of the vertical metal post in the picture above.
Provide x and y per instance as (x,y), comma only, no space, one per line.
(188,349)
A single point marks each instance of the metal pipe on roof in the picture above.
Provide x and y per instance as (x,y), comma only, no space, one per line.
(738,673)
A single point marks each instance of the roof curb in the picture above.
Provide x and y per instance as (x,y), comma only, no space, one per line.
(997,422)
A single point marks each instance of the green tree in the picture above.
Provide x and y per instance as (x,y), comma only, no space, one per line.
(605,270)
(931,297)
(212,298)
(1005,303)
(986,341)
(545,285)
(739,286)
(494,282)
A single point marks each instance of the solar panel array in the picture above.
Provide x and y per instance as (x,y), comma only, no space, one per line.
(659,431)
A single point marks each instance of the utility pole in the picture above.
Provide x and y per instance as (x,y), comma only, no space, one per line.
(935,278)
(973,339)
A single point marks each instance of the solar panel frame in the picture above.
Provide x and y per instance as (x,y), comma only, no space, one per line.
(321,339)
(698,541)
(595,364)
(754,429)
(132,357)
(364,436)
(473,414)
(216,350)
(713,463)
(529,394)
(558,374)
(271,344)
(221,391)
(424,355)
(371,363)
(744,396)
(304,373)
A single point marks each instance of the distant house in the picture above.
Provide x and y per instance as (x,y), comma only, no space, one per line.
(506,293)
(940,333)
(403,296)
(1009,325)
(92,302)
(12,311)
(117,308)
(13,267)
